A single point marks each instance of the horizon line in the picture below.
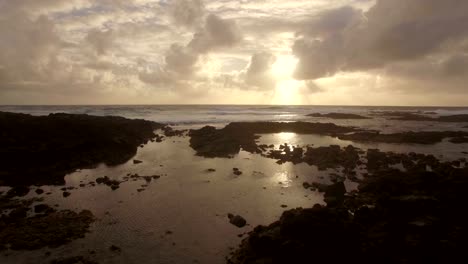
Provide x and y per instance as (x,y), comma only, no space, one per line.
(280,105)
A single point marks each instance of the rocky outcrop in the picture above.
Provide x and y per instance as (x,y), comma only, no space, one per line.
(422,137)
(226,142)
(338,116)
(41,150)
(411,216)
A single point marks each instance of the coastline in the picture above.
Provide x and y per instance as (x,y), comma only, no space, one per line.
(368,170)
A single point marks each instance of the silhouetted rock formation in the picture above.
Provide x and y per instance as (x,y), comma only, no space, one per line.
(211,142)
(41,150)
(417,116)
(339,116)
(411,216)
(422,137)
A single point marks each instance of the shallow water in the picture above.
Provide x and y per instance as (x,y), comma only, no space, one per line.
(188,201)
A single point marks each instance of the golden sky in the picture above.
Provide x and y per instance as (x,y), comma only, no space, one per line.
(324,52)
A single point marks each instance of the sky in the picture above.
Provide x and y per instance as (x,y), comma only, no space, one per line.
(319,52)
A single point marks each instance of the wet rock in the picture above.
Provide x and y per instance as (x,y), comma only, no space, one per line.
(459,140)
(211,142)
(210,170)
(113,184)
(66,194)
(53,229)
(63,143)
(170,132)
(422,137)
(73,260)
(338,116)
(147,178)
(236,171)
(335,194)
(20,212)
(137,161)
(237,220)
(283,206)
(43,208)
(39,191)
(19,191)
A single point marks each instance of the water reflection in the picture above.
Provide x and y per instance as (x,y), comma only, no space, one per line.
(284,178)
(286,137)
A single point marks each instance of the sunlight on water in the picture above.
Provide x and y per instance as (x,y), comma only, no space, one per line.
(286,137)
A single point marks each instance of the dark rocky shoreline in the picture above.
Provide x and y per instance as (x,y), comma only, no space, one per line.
(411,216)
(226,142)
(42,149)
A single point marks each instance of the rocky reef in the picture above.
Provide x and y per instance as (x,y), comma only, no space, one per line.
(27,227)
(211,142)
(42,149)
(419,116)
(413,215)
(338,116)
(421,137)
(226,142)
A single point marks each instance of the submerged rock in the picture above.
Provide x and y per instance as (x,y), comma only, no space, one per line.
(53,230)
(18,191)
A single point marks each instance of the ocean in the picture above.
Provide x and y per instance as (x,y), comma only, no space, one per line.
(194,115)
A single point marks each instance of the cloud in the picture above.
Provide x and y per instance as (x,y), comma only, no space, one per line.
(29,50)
(259,71)
(101,41)
(188,13)
(392,31)
(181,61)
(217,33)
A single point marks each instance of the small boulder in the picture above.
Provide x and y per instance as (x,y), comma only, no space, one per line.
(237,220)
(137,161)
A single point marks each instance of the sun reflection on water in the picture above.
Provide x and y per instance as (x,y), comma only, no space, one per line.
(283,178)
(287,137)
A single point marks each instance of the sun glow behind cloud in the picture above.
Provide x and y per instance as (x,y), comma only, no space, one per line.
(287,88)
